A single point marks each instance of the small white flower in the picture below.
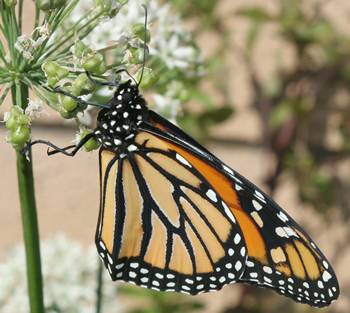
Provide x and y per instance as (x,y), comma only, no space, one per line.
(167,106)
(35,108)
(6,116)
(44,33)
(26,46)
(69,274)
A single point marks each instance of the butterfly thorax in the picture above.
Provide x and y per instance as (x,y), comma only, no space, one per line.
(117,125)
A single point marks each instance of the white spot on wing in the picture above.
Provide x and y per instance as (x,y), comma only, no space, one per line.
(102,245)
(228,212)
(211,195)
(257,205)
(132,274)
(182,160)
(320,284)
(119,266)
(117,142)
(238,187)
(238,265)
(109,259)
(260,196)
(283,217)
(237,239)
(285,232)
(326,276)
(132,148)
(267,269)
(228,170)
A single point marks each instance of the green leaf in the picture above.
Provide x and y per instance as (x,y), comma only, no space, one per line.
(255,14)
(281,113)
(215,116)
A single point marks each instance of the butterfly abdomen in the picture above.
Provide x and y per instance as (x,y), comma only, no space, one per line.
(116,126)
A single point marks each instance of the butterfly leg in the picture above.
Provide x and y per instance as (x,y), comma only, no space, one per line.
(59,90)
(57,149)
(99,83)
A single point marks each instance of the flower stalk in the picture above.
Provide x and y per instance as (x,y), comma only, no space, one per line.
(29,215)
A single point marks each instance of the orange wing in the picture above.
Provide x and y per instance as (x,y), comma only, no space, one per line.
(281,255)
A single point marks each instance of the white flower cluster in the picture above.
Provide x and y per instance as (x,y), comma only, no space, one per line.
(169,42)
(69,273)
(168,36)
(27,45)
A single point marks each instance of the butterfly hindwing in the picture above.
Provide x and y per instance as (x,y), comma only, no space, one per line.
(292,264)
(170,230)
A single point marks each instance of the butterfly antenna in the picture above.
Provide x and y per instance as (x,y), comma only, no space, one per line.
(144,47)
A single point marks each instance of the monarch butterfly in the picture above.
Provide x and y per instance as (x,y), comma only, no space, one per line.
(173,217)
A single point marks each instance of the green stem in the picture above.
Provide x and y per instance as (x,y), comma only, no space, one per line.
(99,290)
(20,15)
(29,216)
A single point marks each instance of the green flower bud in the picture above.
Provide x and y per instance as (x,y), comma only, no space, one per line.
(139,31)
(136,55)
(80,49)
(16,118)
(149,78)
(91,144)
(67,115)
(47,5)
(52,81)
(50,68)
(11,123)
(19,136)
(10,3)
(68,103)
(94,63)
(54,72)
(82,85)
(105,5)
(62,73)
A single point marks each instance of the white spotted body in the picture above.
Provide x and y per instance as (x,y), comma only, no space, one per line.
(117,125)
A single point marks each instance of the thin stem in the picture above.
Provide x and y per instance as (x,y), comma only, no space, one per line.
(4,94)
(99,289)
(37,16)
(29,216)
(2,53)
(20,15)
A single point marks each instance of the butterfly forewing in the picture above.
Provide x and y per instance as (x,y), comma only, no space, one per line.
(281,255)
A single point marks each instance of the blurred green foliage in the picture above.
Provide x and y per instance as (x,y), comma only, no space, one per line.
(160,302)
